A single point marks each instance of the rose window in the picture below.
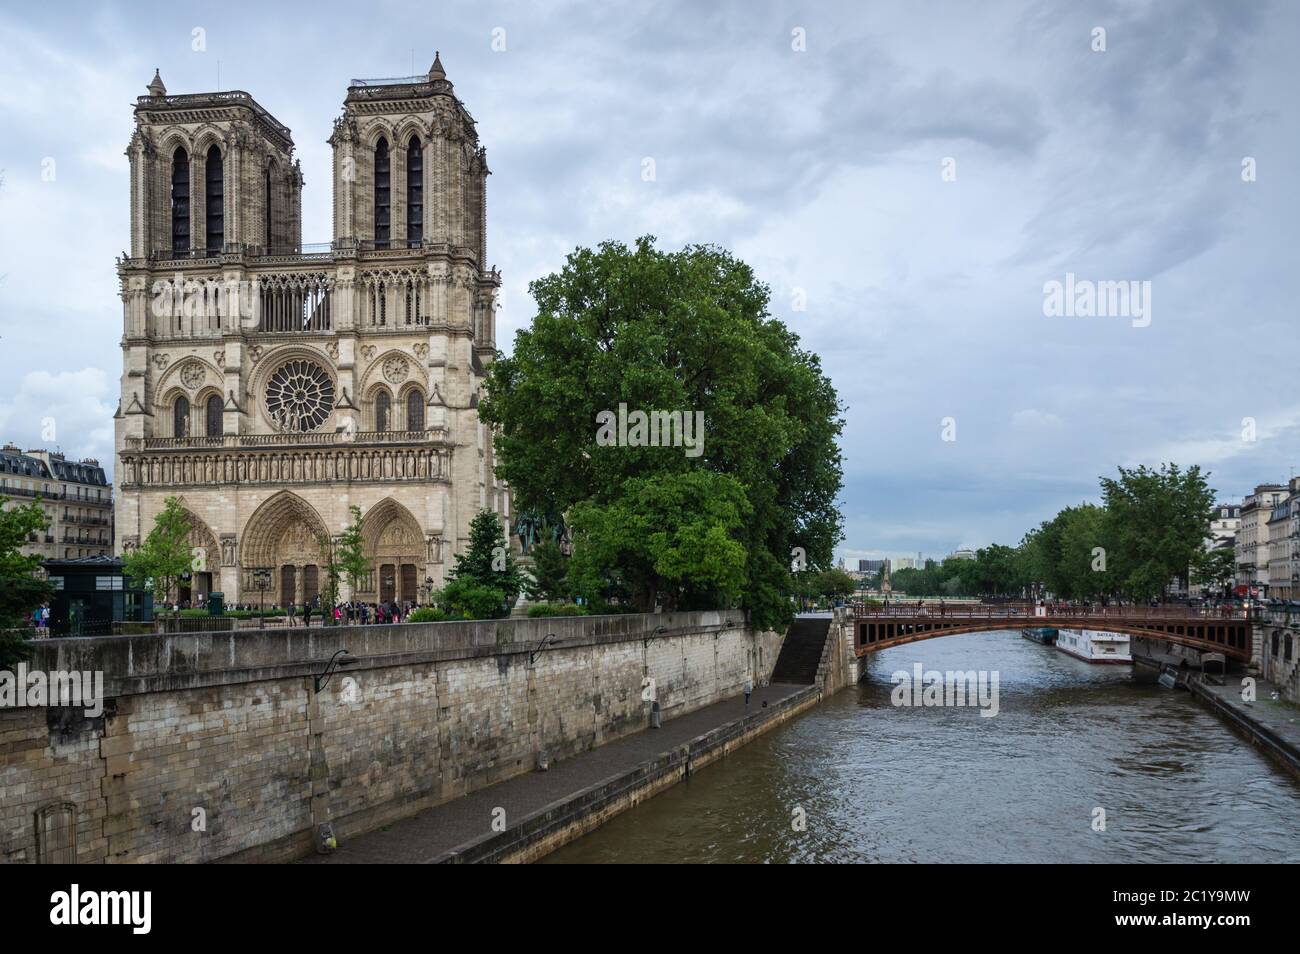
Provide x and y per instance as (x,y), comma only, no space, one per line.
(299,396)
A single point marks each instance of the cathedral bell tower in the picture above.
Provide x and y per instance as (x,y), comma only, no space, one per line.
(342,374)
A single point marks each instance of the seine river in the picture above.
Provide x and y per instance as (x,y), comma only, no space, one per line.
(877,783)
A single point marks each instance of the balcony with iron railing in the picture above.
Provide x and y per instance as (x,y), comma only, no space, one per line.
(88,520)
(308,439)
(304,253)
(24,492)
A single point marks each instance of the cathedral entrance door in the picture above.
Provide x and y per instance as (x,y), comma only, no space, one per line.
(288,584)
(387,582)
(408,583)
(310,583)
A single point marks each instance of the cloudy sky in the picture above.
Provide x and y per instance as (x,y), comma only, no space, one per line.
(913,175)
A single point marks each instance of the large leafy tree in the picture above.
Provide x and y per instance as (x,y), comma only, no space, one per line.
(1156,522)
(1084,560)
(1214,568)
(684,331)
(669,537)
(20,591)
(166,554)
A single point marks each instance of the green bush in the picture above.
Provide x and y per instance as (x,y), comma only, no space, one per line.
(425,614)
(602,608)
(472,600)
(554,609)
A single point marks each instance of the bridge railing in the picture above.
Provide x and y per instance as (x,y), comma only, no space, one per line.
(977,611)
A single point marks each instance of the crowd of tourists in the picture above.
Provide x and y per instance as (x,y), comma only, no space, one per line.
(353,611)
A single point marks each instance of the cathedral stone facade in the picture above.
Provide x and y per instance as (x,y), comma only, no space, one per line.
(271,385)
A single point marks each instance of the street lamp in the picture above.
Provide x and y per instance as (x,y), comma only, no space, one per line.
(547,640)
(339,659)
(645,643)
(262,580)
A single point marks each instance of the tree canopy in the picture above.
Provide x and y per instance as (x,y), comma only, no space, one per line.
(686,332)
(166,554)
(20,591)
(485,581)
(1149,531)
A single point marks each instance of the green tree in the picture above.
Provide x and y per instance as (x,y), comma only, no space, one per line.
(550,572)
(834,584)
(166,554)
(1156,522)
(1084,560)
(349,556)
(1214,569)
(486,580)
(995,571)
(670,539)
(20,591)
(680,332)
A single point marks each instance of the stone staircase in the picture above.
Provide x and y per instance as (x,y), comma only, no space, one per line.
(801,650)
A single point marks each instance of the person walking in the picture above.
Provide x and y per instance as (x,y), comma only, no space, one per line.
(306,614)
(748,688)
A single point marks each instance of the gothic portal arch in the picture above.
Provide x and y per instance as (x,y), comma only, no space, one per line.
(288,538)
(393,544)
(206,562)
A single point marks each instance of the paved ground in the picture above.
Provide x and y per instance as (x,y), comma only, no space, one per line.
(1278,715)
(448,826)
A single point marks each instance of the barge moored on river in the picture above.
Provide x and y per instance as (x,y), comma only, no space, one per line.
(1094,646)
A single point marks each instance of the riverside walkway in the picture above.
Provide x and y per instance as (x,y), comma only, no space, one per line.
(1271,724)
(574,792)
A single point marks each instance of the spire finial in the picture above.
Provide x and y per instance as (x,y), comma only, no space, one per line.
(436,72)
(156,87)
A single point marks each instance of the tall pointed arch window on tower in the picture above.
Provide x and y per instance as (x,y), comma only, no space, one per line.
(414,193)
(181,417)
(415,411)
(383,194)
(180,202)
(212,413)
(214,197)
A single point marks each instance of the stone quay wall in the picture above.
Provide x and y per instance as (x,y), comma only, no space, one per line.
(215,746)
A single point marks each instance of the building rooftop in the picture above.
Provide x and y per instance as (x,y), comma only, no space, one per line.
(50,465)
(157,100)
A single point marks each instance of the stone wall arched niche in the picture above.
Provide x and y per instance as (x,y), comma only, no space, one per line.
(396,550)
(286,536)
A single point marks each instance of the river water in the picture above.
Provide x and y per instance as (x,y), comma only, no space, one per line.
(872,782)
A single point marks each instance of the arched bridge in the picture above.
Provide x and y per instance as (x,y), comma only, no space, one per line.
(880,627)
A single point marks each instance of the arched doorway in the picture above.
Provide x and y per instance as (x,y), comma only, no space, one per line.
(392,542)
(193,588)
(287,537)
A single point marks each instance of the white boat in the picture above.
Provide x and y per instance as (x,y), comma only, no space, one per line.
(1094,646)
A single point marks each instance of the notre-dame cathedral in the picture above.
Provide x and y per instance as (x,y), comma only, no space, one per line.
(271,385)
